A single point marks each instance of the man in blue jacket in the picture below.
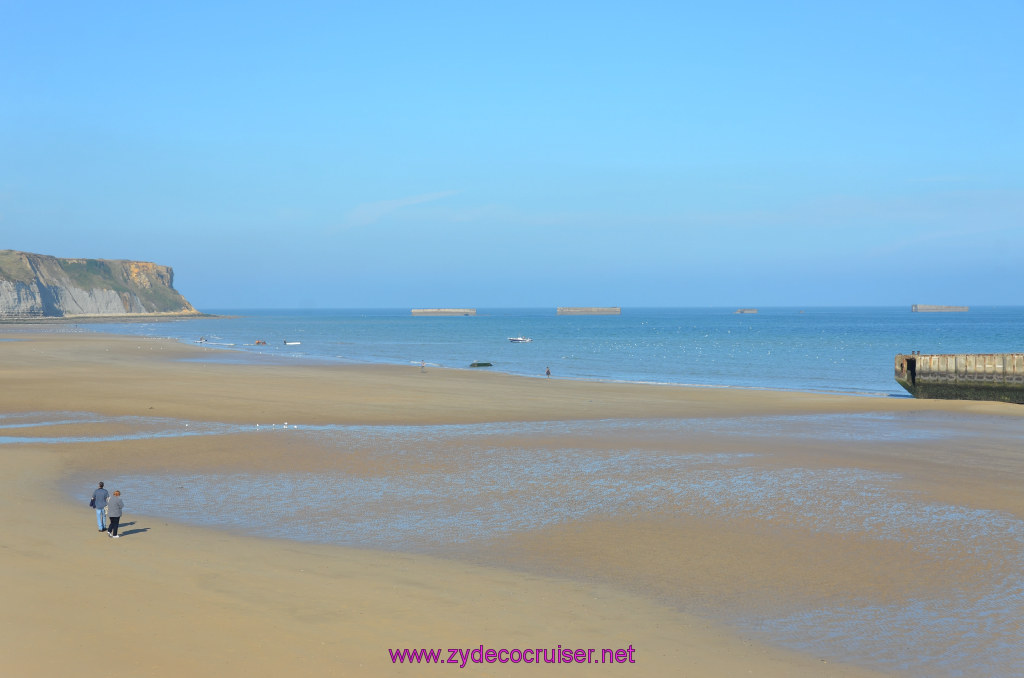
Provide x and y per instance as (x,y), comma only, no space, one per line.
(99,502)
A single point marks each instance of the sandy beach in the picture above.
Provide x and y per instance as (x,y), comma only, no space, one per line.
(174,598)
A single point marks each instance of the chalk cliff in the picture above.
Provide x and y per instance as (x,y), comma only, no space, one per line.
(37,285)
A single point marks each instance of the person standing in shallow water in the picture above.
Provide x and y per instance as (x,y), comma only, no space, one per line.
(99,502)
(115,506)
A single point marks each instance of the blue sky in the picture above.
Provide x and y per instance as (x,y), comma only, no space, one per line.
(331,154)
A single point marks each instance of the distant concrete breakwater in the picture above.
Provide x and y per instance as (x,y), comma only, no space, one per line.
(589,310)
(444,311)
(928,308)
(561,310)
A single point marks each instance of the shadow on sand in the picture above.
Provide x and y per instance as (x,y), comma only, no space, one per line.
(124,533)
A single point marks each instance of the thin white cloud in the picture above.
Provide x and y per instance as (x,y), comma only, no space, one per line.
(949,179)
(372,212)
(958,240)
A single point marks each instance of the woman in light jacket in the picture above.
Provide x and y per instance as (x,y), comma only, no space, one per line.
(115,505)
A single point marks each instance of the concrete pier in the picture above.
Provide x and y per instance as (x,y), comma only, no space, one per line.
(963,376)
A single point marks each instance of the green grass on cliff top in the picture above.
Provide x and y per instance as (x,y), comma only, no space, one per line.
(14,268)
(99,274)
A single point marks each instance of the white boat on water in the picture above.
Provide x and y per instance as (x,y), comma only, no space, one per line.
(292,343)
(204,340)
(520,340)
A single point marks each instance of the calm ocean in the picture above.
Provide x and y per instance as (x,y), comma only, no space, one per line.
(847,350)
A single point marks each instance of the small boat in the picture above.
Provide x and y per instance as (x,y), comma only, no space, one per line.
(480,364)
(204,340)
(292,343)
(520,340)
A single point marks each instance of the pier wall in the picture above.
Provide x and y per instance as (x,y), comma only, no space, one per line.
(966,376)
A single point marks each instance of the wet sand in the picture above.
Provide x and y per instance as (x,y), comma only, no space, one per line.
(667,579)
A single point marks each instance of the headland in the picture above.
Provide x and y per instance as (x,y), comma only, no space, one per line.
(39,286)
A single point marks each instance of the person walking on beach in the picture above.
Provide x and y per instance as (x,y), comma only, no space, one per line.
(547,371)
(99,502)
(114,508)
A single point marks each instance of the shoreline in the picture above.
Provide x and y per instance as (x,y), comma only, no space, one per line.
(243,356)
(858,365)
(662,399)
(222,593)
(45,321)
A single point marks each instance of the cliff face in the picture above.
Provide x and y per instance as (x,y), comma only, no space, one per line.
(37,285)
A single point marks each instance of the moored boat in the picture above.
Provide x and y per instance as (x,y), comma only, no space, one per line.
(520,340)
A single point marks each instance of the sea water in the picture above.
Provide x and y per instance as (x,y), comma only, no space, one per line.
(848,350)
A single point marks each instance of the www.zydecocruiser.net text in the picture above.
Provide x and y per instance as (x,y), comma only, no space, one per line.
(462,657)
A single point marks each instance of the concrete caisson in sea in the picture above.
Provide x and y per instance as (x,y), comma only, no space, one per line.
(444,311)
(927,308)
(589,310)
(963,376)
